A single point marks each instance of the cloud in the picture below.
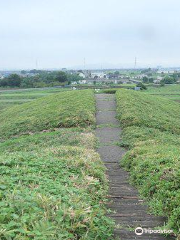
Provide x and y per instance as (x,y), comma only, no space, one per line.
(61,33)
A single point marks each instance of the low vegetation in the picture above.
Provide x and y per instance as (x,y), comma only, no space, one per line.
(109,91)
(167,91)
(66,109)
(53,183)
(9,98)
(151,131)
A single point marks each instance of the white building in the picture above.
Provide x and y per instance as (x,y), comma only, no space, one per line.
(98,75)
(156,81)
(82,81)
(74,83)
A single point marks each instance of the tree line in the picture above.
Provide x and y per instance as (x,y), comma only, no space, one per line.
(169,79)
(39,79)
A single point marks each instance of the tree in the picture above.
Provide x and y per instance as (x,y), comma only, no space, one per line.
(142,86)
(27,82)
(23,72)
(168,80)
(61,77)
(146,70)
(73,77)
(3,83)
(149,74)
(116,73)
(175,76)
(151,80)
(14,80)
(145,79)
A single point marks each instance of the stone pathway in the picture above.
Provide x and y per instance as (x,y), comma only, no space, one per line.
(128,209)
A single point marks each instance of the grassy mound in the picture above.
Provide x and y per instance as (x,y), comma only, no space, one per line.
(9,98)
(151,128)
(66,109)
(53,184)
(136,109)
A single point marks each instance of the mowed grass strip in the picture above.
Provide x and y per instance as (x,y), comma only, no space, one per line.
(65,109)
(151,131)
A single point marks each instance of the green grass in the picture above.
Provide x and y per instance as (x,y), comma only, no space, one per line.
(148,111)
(151,131)
(53,193)
(66,109)
(116,87)
(63,136)
(53,184)
(168,91)
(10,98)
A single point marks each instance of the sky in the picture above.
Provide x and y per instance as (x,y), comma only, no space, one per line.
(106,33)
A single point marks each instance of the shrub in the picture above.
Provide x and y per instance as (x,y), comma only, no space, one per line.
(142,86)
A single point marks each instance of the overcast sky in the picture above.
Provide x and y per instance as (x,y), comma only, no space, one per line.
(61,33)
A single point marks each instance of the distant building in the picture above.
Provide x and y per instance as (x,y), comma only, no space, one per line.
(156,81)
(171,71)
(98,75)
(166,71)
(159,78)
(82,81)
(73,83)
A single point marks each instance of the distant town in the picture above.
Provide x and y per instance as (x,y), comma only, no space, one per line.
(73,78)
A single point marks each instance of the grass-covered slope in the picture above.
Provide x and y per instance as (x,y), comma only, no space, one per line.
(66,109)
(170,91)
(12,97)
(148,111)
(63,136)
(53,193)
(53,183)
(151,130)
